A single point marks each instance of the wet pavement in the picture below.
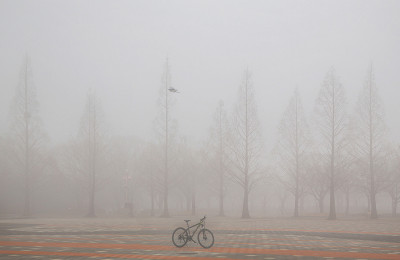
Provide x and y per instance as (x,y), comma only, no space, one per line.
(141,238)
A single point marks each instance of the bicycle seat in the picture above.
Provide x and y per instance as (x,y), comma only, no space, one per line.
(187,220)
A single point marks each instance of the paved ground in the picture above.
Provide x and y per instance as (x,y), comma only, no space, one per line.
(306,238)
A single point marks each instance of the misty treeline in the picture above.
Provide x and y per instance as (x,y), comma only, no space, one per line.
(338,159)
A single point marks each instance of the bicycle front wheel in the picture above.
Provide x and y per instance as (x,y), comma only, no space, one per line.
(205,238)
(179,237)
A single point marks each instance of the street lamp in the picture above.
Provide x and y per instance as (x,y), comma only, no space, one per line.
(172,90)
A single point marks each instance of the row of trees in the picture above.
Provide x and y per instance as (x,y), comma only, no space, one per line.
(346,151)
(339,152)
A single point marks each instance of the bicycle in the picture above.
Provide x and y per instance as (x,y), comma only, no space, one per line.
(205,237)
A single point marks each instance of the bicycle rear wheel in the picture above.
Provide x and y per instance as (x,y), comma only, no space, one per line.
(179,237)
(205,238)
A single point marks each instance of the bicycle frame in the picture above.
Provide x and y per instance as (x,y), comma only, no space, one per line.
(200,224)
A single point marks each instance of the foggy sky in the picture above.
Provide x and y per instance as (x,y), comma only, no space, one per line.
(118,48)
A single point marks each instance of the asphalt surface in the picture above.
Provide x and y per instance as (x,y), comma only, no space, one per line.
(304,238)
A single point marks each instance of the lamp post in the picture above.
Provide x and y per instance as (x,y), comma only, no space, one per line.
(172,90)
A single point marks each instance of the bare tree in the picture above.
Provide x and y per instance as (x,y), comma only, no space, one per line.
(282,194)
(246,143)
(151,174)
(187,168)
(123,154)
(332,122)
(371,133)
(90,148)
(292,147)
(216,155)
(317,180)
(393,181)
(27,133)
(165,130)
(348,185)
(349,164)
(5,173)
(5,165)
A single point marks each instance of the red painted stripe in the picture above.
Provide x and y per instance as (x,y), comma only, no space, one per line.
(260,251)
(228,242)
(87,254)
(309,231)
(321,246)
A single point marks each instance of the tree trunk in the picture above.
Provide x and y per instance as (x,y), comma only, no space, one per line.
(296,203)
(347,201)
(160,202)
(92,156)
(321,204)
(296,193)
(187,203)
(193,203)
(152,201)
(394,207)
(221,167)
(282,206)
(245,210)
(221,195)
(130,209)
(332,208)
(27,202)
(374,212)
(27,195)
(92,192)
(166,212)
(301,203)
(264,206)
(221,205)
(91,203)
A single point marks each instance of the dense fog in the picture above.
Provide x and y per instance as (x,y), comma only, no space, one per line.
(170,108)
